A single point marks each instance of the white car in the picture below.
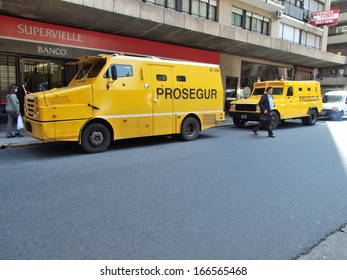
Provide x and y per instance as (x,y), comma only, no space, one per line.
(335,104)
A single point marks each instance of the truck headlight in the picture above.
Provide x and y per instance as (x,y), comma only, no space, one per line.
(232,106)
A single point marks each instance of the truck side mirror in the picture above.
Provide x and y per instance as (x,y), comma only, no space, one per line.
(290,91)
(114,72)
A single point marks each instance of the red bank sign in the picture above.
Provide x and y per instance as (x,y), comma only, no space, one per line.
(325,17)
(32,31)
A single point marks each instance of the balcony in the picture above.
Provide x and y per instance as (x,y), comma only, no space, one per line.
(339,81)
(294,11)
(268,5)
(337,39)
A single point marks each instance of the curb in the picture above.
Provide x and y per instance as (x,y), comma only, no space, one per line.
(24,143)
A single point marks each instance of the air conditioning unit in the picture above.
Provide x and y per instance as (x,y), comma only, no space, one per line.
(308,16)
(277,15)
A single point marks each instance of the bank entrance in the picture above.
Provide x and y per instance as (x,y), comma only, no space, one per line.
(37,74)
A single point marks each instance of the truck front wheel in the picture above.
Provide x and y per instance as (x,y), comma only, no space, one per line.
(238,122)
(275,120)
(190,129)
(95,138)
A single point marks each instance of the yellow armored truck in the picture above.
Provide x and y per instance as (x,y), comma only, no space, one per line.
(125,96)
(292,99)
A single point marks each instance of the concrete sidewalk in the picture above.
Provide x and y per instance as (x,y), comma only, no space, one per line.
(333,247)
(14,142)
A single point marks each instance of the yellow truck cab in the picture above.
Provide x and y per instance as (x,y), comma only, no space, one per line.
(125,96)
(293,100)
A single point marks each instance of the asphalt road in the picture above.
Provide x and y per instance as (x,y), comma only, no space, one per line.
(228,195)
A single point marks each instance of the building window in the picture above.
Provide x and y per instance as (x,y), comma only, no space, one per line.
(8,75)
(250,21)
(236,17)
(202,8)
(165,3)
(297,36)
(313,6)
(311,40)
(341,29)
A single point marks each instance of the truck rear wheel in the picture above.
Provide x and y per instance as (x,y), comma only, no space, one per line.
(190,129)
(311,119)
(95,138)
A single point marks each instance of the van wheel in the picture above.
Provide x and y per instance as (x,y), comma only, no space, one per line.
(238,122)
(275,120)
(95,138)
(190,129)
(311,119)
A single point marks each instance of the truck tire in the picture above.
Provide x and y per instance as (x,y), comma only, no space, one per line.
(311,119)
(95,138)
(275,120)
(238,122)
(190,129)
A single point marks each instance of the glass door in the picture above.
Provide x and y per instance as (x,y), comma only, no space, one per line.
(39,75)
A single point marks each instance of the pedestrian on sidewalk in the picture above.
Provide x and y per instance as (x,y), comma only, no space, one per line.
(266,104)
(12,111)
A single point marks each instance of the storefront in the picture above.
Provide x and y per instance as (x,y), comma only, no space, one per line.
(34,53)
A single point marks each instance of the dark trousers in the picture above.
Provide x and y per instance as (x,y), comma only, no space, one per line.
(266,125)
(11,127)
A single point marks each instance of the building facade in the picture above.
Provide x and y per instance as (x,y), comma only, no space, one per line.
(250,39)
(335,78)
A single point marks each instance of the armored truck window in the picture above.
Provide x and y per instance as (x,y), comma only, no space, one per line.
(120,71)
(83,71)
(277,91)
(290,91)
(259,91)
(161,77)
(181,78)
(96,69)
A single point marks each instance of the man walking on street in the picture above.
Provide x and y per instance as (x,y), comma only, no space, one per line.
(266,104)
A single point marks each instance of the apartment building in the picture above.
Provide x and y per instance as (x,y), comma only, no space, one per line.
(335,77)
(250,39)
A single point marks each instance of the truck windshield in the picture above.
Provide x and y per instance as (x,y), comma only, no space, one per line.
(261,91)
(90,69)
(332,98)
(277,91)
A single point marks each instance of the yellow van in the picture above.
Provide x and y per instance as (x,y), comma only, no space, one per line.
(293,100)
(125,96)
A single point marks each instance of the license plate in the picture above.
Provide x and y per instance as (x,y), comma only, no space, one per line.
(244,117)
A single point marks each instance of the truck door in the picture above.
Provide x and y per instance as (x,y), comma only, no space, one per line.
(162,99)
(289,103)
